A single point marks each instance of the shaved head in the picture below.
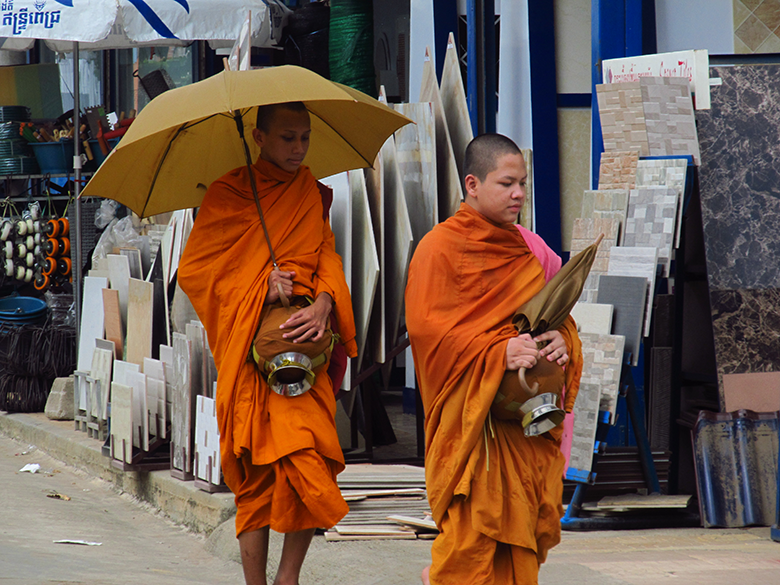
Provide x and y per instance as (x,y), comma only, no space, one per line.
(266,113)
(483,152)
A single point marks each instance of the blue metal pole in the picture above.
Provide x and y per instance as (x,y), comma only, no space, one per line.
(489,24)
(471,65)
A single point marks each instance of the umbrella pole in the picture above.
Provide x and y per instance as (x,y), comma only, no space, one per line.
(77,189)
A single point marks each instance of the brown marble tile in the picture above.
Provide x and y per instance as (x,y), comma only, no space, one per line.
(751,4)
(741,12)
(752,32)
(768,12)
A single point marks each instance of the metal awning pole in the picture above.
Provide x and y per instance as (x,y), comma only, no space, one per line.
(76,265)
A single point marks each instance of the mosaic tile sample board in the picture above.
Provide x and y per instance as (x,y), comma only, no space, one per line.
(584,233)
(653,116)
(739,178)
(593,317)
(628,295)
(669,173)
(618,169)
(602,365)
(651,221)
(606,204)
(627,261)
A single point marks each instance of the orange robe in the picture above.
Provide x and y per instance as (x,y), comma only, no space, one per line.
(495,494)
(280,455)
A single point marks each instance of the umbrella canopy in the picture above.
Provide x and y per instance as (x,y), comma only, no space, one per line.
(551,305)
(187,137)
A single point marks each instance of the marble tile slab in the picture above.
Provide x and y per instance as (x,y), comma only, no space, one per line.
(112,317)
(637,261)
(207,440)
(586,413)
(140,319)
(166,357)
(416,147)
(119,269)
(140,410)
(618,169)
(92,320)
(739,178)
(651,221)
(584,233)
(526,217)
(182,406)
(133,256)
(453,97)
(448,180)
(195,334)
(746,326)
(375,188)
(622,115)
(628,295)
(605,204)
(669,118)
(399,241)
(102,364)
(122,422)
(593,318)
(156,400)
(365,267)
(671,173)
(602,364)
(759,392)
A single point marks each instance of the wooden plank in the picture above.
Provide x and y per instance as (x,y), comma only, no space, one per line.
(112,316)
(416,147)
(119,268)
(453,99)
(450,192)
(182,406)
(133,256)
(122,422)
(365,268)
(375,187)
(91,320)
(399,240)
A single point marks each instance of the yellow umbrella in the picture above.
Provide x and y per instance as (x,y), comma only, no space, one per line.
(187,137)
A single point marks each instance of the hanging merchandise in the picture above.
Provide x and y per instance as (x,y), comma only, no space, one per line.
(306,38)
(352,44)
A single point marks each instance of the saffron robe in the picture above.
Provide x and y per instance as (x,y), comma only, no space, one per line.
(224,271)
(467,278)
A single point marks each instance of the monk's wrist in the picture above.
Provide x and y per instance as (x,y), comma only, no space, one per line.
(325,299)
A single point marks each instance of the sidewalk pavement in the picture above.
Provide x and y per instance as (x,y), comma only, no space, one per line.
(691,556)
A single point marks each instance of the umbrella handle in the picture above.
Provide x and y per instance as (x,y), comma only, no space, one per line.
(524,384)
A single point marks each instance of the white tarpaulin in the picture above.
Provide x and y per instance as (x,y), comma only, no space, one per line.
(116,24)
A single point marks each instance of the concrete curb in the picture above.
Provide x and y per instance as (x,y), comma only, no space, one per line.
(181,501)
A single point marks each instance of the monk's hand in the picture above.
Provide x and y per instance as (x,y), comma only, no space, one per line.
(310,322)
(555,350)
(279,277)
(521,352)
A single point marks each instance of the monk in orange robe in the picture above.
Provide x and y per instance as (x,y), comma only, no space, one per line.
(280,455)
(495,494)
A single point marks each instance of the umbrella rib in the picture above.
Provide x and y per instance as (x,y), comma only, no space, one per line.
(182,128)
(369,163)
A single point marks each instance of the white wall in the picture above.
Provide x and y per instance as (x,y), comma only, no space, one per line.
(572,46)
(695,24)
(514,83)
(421,30)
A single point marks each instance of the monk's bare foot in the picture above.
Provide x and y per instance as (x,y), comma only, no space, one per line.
(425,578)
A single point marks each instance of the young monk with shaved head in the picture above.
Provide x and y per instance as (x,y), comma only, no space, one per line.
(280,454)
(495,494)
